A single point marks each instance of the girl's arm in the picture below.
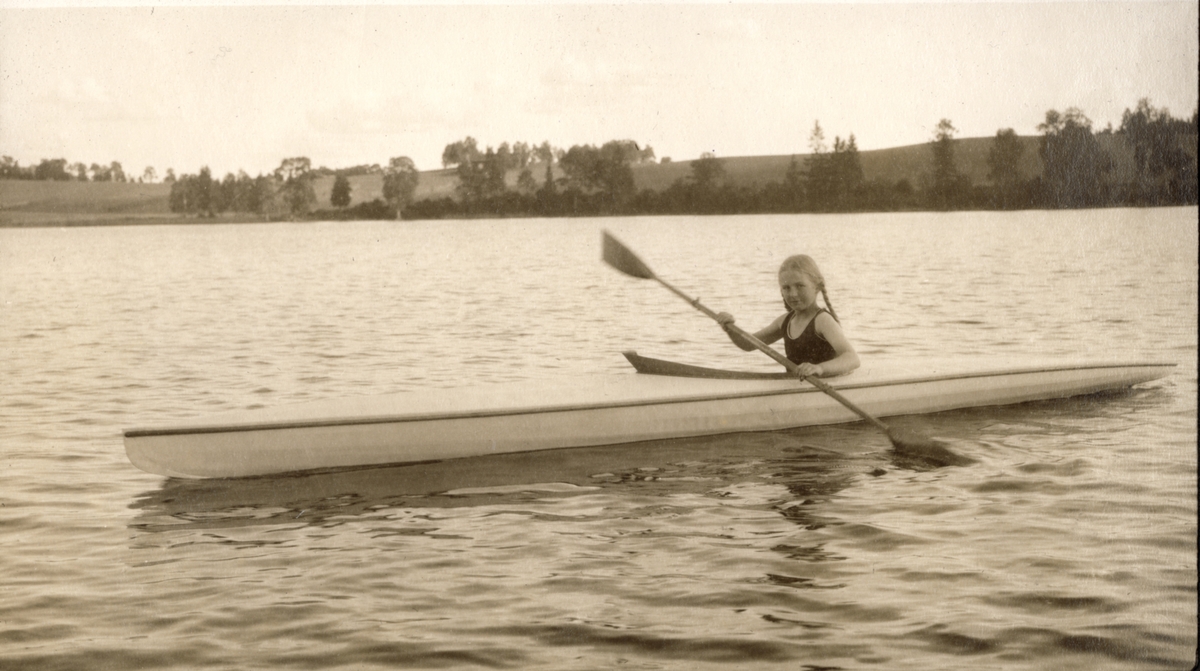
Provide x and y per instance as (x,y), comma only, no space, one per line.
(768,335)
(846,359)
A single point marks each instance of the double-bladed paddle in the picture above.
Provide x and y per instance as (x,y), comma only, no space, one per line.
(623,259)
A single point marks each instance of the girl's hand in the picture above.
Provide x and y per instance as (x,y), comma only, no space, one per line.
(811,370)
(725,320)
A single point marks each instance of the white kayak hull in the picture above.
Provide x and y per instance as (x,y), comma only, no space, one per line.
(602,410)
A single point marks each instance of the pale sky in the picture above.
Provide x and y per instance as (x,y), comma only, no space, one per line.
(242,87)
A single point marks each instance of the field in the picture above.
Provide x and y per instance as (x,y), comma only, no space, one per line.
(32,203)
(37,203)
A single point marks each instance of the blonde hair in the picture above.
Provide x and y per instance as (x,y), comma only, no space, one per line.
(804,264)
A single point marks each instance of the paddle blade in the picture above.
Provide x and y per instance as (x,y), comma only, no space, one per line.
(926,450)
(620,257)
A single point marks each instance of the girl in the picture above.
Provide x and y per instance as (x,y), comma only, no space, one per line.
(812,336)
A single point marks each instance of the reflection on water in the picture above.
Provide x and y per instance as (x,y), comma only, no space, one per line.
(695,465)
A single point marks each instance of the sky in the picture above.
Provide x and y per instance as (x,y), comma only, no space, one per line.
(244,86)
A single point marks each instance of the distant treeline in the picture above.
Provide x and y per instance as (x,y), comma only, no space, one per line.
(288,192)
(58,169)
(1076,173)
(586,180)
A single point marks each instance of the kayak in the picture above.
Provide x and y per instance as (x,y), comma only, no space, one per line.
(664,400)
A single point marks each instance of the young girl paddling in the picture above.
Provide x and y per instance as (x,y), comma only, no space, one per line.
(812,337)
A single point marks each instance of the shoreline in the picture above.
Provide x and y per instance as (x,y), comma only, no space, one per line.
(91,220)
(78,220)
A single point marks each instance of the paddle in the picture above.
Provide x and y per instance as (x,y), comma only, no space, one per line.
(623,259)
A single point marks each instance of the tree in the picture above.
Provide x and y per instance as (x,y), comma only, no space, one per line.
(170,176)
(203,198)
(1166,172)
(463,151)
(1074,166)
(10,168)
(495,165)
(224,193)
(340,195)
(525,182)
(522,154)
(579,167)
(633,153)
(480,178)
(707,171)
(614,175)
(548,187)
(547,195)
(193,194)
(605,170)
(704,191)
(239,197)
(544,152)
(296,189)
(294,168)
(258,194)
(52,169)
(1145,129)
(847,174)
(118,173)
(400,180)
(505,154)
(149,176)
(834,180)
(948,187)
(1004,159)
(179,198)
(816,139)
(818,184)
(793,186)
(80,170)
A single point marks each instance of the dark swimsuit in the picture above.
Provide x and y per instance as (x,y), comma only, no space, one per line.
(810,347)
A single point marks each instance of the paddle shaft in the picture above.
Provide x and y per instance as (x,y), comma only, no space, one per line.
(774,354)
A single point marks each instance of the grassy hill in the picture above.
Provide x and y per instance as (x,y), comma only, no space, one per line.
(912,162)
(28,202)
(42,202)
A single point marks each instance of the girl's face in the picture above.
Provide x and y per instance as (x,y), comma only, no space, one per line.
(798,290)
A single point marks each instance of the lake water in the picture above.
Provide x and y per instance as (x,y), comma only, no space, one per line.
(1070,544)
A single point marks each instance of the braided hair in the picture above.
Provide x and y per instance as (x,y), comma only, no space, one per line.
(803,263)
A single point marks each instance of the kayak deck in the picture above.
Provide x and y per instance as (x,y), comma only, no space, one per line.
(599,410)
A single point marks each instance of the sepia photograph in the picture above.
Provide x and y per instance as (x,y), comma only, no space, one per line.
(558,336)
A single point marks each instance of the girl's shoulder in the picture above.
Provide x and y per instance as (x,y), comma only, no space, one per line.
(824,320)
